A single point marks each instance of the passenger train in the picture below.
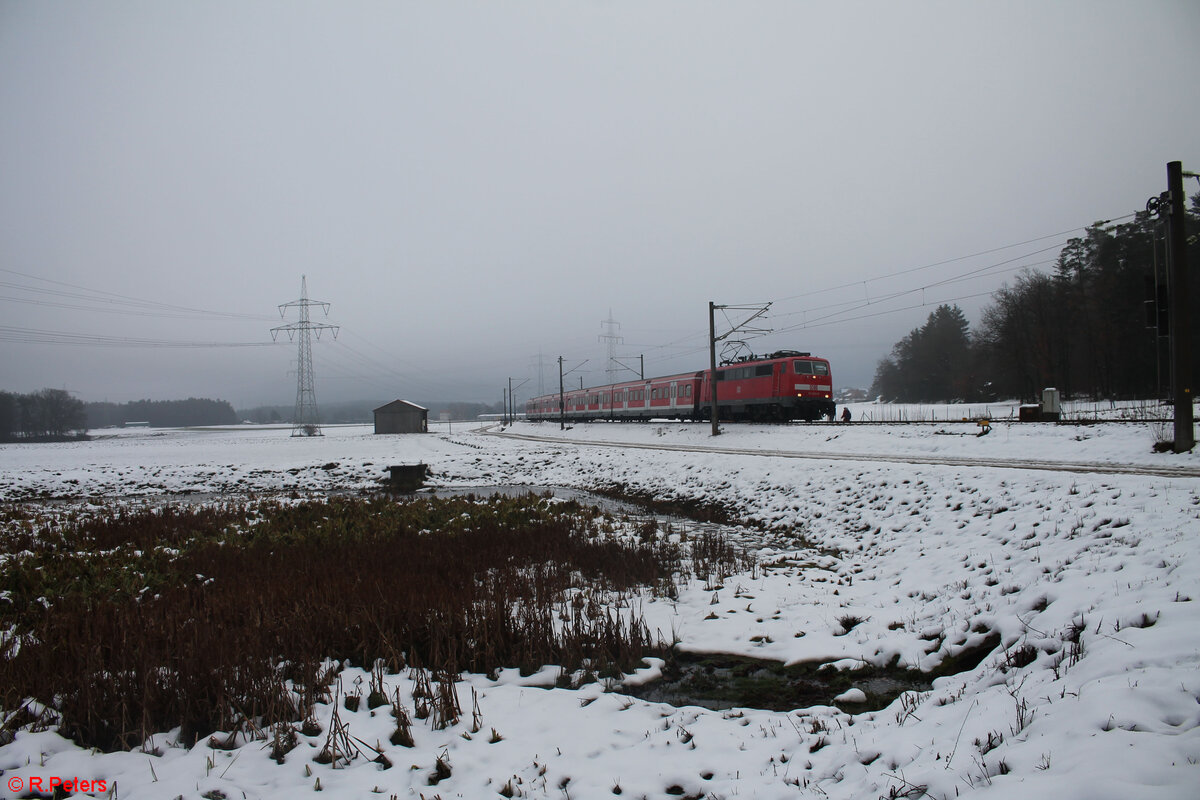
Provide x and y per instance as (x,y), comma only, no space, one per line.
(785,385)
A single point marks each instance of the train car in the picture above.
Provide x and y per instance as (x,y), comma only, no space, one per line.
(785,385)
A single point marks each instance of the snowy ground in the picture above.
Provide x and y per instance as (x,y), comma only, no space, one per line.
(1092,580)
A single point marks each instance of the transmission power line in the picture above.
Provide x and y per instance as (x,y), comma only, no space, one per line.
(105,301)
(306,421)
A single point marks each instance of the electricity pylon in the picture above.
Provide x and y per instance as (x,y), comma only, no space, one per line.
(306,420)
(610,336)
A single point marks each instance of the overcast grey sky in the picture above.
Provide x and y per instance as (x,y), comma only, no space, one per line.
(472,184)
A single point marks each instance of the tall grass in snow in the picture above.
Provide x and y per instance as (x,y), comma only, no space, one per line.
(124,623)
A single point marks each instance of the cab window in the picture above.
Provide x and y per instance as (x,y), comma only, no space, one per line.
(811,367)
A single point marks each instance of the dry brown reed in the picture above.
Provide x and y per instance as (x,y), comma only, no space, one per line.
(225,618)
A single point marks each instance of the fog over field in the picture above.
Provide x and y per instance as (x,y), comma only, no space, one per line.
(475,187)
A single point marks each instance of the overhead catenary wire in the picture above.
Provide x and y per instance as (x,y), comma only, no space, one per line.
(943,262)
(697,342)
(683,344)
(914,290)
(858,303)
(883,312)
(845,311)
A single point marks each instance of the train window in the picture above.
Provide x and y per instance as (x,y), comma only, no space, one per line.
(811,368)
(762,370)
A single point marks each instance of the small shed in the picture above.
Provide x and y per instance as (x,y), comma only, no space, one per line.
(401,416)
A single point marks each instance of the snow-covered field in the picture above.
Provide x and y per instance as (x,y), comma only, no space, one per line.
(1091,579)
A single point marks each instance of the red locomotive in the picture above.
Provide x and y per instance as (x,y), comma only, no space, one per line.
(784,385)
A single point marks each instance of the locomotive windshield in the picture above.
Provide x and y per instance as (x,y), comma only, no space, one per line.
(811,367)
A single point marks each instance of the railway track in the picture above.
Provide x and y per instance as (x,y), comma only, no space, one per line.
(1100,468)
